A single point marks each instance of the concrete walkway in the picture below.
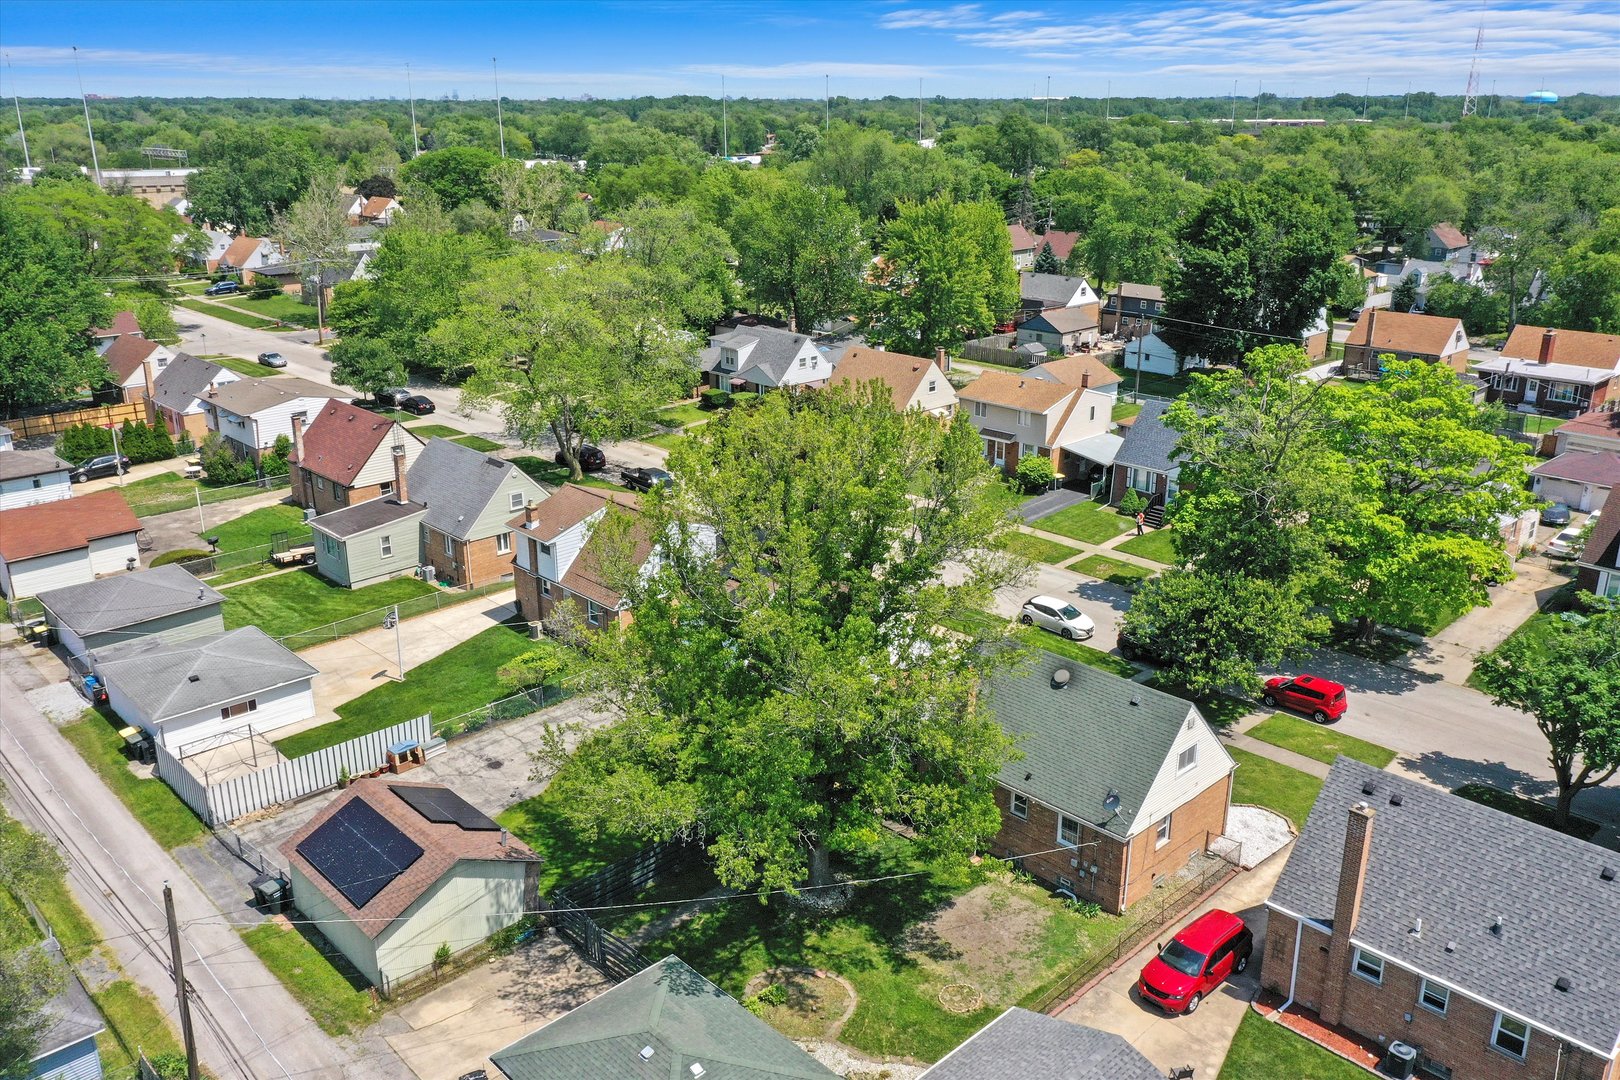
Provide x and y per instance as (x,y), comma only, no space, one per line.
(1106,548)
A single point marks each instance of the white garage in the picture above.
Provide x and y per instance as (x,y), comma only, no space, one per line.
(189,693)
(66,542)
(1580,479)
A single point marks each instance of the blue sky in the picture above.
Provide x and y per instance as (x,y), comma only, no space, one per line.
(616,48)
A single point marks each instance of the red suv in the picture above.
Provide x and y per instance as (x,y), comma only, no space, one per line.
(1213,946)
(1321,700)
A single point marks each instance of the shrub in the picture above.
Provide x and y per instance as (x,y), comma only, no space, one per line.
(538,666)
(183,444)
(182,555)
(169,1066)
(774,994)
(142,442)
(221,463)
(263,288)
(441,957)
(747,397)
(1035,472)
(275,462)
(83,441)
(1133,503)
(714,398)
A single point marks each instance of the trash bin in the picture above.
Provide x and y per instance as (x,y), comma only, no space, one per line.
(1400,1061)
(271,894)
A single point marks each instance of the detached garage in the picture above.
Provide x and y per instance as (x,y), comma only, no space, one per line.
(164,602)
(63,543)
(189,693)
(1580,479)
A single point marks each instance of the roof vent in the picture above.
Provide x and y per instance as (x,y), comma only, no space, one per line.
(1136,697)
(1496,927)
(1368,788)
(646,1053)
(1060,678)
(193,677)
(1607,873)
(1397,799)
(1417,927)
(696,1069)
(1562,985)
(1451,946)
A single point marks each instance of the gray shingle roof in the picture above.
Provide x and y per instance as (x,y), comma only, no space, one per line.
(1049,288)
(1085,740)
(1458,865)
(457,482)
(363,517)
(248,396)
(127,599)
(683,1017)
(71,1016)
(19,464)
(1067,320)
(182,380)
(774,352)
(1024,1045)
(1148,443)
(156,675)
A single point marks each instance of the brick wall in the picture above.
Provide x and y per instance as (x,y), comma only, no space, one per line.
(1192,824)
(535,606)
(325,496)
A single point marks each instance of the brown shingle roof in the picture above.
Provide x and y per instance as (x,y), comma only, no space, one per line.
(1600,467)
(375,206)
(1404,331)
(64,525)
(443,846)
(566,507)
(122,323)
(341,439)
(586,576)
(902,374)
(1578,348)
(127,355)
(1070,369)
(1024,240)
(241,250)
(1449,235)
(1605,424)
(1015,391)
(1140,292)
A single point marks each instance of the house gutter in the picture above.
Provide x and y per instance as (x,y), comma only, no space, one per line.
(1293,972)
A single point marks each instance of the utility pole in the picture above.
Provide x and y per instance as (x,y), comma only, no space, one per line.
(500,123)
(1260,89)
(95,163)
(725,122)
(919,110)
(1365,93)
(320,304)
(1108,103)
(118,470)
(27,162)
(826,96)
(1406,104)
(1234,107)
(410,87)
(1049,99)
(1139,337)
(186,1034)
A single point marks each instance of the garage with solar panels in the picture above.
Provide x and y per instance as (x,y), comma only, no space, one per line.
(388,872)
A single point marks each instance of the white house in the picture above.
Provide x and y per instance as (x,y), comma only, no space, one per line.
(760,358)
(123,324)
(249,253)
(1155,357)
(1580,479)
(29,477)
(209,690)
(49,545)
(164,601)
(253,413)
(135,363)
(915,382)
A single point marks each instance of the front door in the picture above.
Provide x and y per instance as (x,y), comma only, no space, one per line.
(1532,389)
(998,453)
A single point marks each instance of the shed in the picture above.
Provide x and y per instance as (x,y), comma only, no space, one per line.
(391,871)
(165,602)
(191,694)
(65,542)
(67,1048)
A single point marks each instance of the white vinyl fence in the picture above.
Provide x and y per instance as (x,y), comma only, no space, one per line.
(289,780)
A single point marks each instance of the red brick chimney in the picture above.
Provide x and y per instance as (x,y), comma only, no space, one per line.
(401,495)
(531,510)
(942,359)
(298,436)
(1085,379)
(1346,910)
(1549,342)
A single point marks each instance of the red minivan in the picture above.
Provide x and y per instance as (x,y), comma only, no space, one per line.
(1213,946)
(1320,699)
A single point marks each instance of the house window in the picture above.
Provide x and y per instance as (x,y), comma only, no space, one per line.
(1509,382)
(981,410)
(37,482)
(545,548)
(593,613)
(804,361)
(1561,392)
(516,500)
(386,487)
(933,384)
(1023,418)
(1019,805)
(331,545)
(320,483)
(1511,1036)
(1187,758)
(387,545)
(1027,450)
(1094,412)
(448,549)
(503,544)
(1434,997)
(239,709)
(1369,967)
(1161,833)
(1068,831)
(545,587)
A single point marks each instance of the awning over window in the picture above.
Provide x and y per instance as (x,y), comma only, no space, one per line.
(999,436)
(1101,449)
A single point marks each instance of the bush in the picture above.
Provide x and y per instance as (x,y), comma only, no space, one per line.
(170,1066)
(221,463)
(142,442)
(1133,503)
(183,444)
(182,555)
(714,398)
(263,288)
(774,994)
(1035,472)
(747,397)
(441,957)
(275,462)
(81,442)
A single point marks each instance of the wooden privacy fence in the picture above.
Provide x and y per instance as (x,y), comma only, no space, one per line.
(27,427)
(605,951)
(288,780)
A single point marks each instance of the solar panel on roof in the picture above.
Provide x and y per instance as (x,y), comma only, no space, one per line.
(443,807)
(359,851)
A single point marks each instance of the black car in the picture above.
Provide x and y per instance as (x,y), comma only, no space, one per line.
(1556,514)
(105,465)
(392,396)
(222,288)
(1132,648)
(591,458)
(415,403)
(645,479)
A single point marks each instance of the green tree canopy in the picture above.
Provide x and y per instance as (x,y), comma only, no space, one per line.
(252,176)
(120,235)
(684,261)
(800,251)
(367,364)
(457,175)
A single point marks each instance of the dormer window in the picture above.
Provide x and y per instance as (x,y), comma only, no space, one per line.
(728,359)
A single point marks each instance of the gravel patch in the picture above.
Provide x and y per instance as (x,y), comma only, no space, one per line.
(1261,832)
(60,702)
(846,1062)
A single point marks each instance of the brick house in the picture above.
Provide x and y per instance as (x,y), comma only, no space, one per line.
(1599,568)
(1487,943)
(1019,415)
(914,382)
(1557,372)
(1145,461)
(1027,245)
(556,560)
(1127,782)
(1406,336)
(135,363)
(344,455)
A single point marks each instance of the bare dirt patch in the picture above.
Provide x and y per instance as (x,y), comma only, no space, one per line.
(987,938)
(817,1003)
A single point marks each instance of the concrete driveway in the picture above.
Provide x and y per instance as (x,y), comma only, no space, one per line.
(1202,1039)
(1105,603)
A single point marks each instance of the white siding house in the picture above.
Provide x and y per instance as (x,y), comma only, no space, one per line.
(254,413)
(28,477)
(55,544)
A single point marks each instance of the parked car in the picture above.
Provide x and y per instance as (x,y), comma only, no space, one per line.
(96,467)
(1058,616)
(417,404)
(1567,544)
(222,288)
(1320,699)
(1556,514)
(272,359)
(1196,961)
(393,396)
(591,458)
(645,479)
(1133,648)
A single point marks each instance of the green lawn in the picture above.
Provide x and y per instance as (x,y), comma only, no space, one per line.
(1038,548)
(549,472)
(255,527)
(338,1001)
(570,853)
(1263,1050)
(1318,742)
(1167,386)
(192,288)
(1126,410)
(281,306)
(435,431)
(167,492)
(136,1023)
(1090,522)
(1268,783)
(288,603)
(1528,809)
(456,681)
(1221,710)
(1114,571)
(1157,545)
(240,318)
(669,440)
(686,415)
(151,801)
(251,368)
(479,443)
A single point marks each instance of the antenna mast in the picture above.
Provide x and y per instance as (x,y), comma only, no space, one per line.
(725,123)
(826,98)
(500,123)
(919,110)
(1470,96)
(410,88)
(94,162)
(27,161)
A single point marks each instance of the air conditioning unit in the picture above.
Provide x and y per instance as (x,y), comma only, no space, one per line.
(310,513)
(425,573)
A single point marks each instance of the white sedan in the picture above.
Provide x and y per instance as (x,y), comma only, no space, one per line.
(1058,616)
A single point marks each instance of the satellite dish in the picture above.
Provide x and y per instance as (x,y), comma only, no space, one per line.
(1111,802)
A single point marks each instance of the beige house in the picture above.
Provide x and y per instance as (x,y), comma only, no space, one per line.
(915,382)
(1019,415)
(1404,335)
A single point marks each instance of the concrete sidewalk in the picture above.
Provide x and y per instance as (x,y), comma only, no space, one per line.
(1096,549)
(1451,653)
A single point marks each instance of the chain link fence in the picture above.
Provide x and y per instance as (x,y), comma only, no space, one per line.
(198,494)
(515,707)
(208,565)
(371,620)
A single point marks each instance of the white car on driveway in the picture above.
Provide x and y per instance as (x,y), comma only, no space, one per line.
(1058,616)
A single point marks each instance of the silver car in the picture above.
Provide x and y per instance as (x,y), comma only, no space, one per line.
(1058,616)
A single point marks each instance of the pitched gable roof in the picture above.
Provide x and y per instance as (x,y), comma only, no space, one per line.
(1024,1045)
(248,396)
(1016,391)
(1449,235)
(92,607)
(122,323)
(669,1008)
(902,374)
(64,525)
(1458,866)
(1132,291)
(241,250)
(457,483)
(1022,239)
(128,355)
(773,353)
(376,206)
(21,464)
(1050,289)
(1577,348)
(1599,467)
(1603,546)
(1064,320)
(568,507)
(1605,424)
(1149,443)
(183,380)
(171,678)
(1078,369)
(341,438)
(1406,331)
(70,1015)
